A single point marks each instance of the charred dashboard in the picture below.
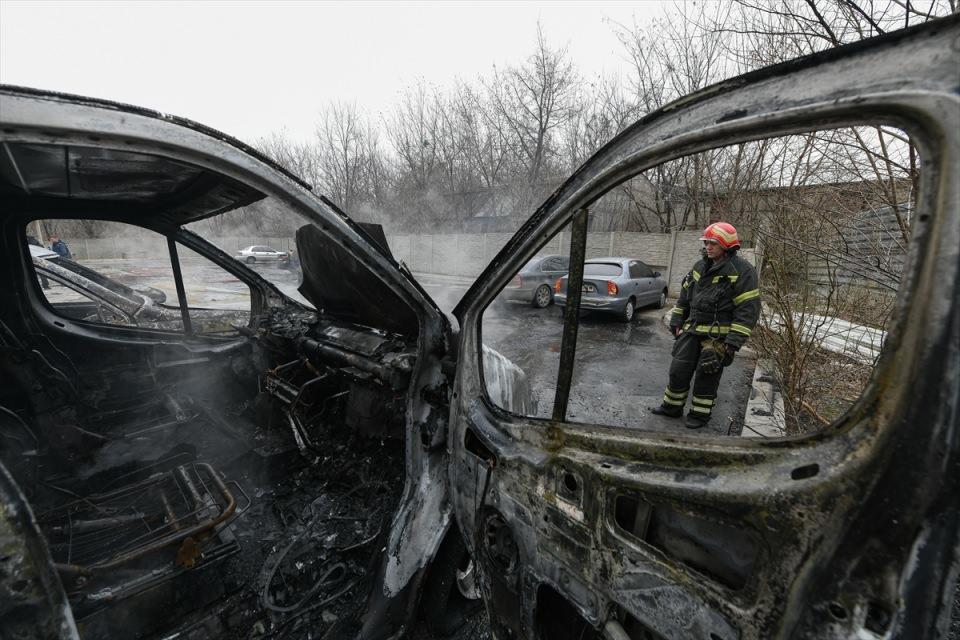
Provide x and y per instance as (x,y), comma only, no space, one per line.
(356,375)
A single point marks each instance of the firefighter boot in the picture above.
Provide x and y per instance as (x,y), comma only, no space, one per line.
(667,410)
(672,404)
(696,420)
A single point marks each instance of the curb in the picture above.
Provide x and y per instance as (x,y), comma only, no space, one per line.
(765,412)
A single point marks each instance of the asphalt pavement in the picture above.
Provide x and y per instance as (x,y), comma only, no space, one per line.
(620,369)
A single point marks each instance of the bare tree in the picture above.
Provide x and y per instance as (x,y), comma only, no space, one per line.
(414,130)
(677,54)
(602,110)
(674,56)
(760,33)
(500,143)
(756,34)
(535,100)
(486,141)
(298,157)
(345,146)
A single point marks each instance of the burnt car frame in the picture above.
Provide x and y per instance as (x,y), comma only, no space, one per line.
(589,530)
(599,530)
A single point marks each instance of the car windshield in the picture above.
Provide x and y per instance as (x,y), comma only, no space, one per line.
(602,269)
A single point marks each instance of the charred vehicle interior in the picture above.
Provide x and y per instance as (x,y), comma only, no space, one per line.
(197,470)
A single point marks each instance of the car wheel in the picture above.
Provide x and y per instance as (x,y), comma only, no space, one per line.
(627,314)
(450,595)
(542,297)
(251,259)
(663,300)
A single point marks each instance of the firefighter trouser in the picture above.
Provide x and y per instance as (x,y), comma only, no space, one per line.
(687,352)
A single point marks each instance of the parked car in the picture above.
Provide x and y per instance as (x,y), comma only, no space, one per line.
(414,486)
(260,253)
(534,283)
(616,285)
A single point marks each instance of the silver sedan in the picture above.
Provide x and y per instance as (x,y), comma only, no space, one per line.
(259,253)
(616,285)
(534,283)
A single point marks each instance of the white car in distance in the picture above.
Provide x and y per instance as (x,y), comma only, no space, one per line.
(259,253)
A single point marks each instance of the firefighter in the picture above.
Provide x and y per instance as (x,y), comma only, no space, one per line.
(717,310)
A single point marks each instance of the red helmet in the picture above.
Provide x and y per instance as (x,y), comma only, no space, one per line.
(723,233)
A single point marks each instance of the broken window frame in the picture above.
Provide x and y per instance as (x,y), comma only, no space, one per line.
(190,241)
(42,298)
(178,283)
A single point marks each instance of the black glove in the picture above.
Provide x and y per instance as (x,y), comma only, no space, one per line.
(710,362)
(676,331)
(728,352)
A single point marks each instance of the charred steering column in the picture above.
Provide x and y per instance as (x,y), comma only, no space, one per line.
(341,375)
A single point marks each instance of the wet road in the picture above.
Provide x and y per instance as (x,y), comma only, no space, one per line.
(620,369)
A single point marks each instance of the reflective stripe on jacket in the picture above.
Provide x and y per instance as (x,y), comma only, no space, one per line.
(719,300)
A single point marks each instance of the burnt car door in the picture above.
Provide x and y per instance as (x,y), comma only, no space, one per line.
(585,531)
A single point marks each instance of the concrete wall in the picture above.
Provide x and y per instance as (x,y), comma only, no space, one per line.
(466,255)
(147,245)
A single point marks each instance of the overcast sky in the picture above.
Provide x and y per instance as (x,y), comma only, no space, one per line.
(248,68)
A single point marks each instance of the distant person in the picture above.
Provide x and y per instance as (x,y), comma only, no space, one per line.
(718,307)
(44,282)
(60,247)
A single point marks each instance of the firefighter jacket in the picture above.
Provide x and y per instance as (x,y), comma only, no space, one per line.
(719,300)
